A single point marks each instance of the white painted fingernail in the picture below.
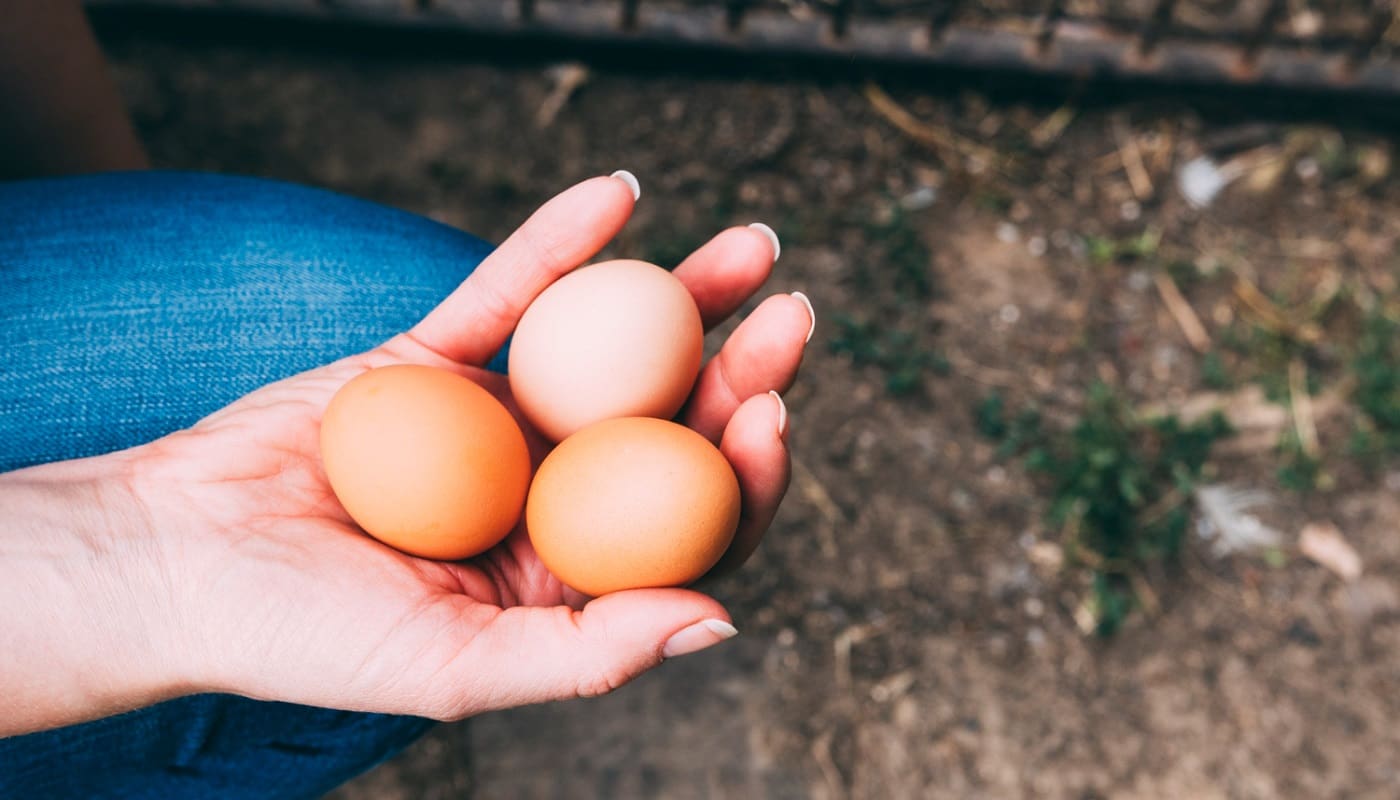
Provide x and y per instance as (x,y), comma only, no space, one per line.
(782,414)
(811,312)
(631,181)
(772,237)
(697,637)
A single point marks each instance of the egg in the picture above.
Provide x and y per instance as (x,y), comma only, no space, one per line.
(425,460)
(614,339)
(632,503)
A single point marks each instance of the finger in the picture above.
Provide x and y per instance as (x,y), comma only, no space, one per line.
(532,655)
(762,355)
(728,270)
(754,444)
(472,324)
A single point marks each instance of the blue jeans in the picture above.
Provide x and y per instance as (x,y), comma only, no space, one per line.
(131,305)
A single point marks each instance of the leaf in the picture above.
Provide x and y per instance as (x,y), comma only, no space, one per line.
(1324,543)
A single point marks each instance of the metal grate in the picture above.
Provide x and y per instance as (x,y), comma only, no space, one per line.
(1330,45)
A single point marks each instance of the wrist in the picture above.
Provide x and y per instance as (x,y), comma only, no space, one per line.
(86,604)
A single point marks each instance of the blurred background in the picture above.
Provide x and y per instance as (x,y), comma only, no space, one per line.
(1096,490)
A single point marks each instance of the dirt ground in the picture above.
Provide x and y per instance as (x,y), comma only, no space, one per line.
(910,627)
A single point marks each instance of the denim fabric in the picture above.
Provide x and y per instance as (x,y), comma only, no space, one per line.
(132,305)
(206,746)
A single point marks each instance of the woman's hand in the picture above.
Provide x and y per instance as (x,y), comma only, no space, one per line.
(253,580)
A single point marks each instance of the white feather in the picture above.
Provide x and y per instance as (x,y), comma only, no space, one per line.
(1225,523)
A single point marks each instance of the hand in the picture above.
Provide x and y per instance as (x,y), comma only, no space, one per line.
(261,585)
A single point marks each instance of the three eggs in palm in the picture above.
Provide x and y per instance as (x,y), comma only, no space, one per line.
(429,462)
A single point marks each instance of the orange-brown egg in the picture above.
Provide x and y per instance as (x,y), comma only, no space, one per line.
(616,339)
(425,460)
(632,503)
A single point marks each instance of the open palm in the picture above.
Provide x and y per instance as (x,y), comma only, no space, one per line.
(280,596)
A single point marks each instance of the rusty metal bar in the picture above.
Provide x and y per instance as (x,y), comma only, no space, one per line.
(1081,48)
(1157,23)
(734,14)
(944,13)
(1381,18)
(841,17)
(1046,24)
(628,21)
(1263,30)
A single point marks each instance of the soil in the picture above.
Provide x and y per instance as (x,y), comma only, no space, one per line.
(908,628)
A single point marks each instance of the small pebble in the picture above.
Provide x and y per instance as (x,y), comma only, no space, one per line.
(919,199)
(1200,180)
(962,501)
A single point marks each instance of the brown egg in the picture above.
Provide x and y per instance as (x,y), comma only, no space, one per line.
(616,339)
(425,460)
(632,503)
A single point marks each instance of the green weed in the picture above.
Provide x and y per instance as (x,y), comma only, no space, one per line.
(1184,273)
(1270,354)
(1015,434)
(1376,367)
(1142,247)
(899,255)
(1298,471)
(896,352)
(992,201)
(897,274)
(1119,487)
(1214,375)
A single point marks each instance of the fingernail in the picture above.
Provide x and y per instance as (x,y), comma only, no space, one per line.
(811,312)
(772,237)
(631,181)
(782,414)
(705,633)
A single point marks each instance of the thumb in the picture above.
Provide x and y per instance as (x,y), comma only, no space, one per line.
(531,655)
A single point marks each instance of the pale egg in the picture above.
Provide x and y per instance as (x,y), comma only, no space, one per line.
(615,339)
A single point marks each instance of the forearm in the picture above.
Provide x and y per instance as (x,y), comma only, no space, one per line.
(59,108)
(80,633)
